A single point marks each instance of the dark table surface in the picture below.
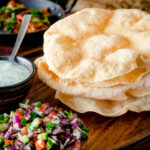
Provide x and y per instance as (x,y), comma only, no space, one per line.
(105,133)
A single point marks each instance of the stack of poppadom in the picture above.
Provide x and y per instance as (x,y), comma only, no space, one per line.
(99,60)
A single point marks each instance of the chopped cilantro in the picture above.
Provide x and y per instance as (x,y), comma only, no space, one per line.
(23,122)
(7,10)
(1,140)
(38,105)
(36,12)
(35,20)
(16,8)
(2,117)
(84,135)
(85,129)
(46,20)
(13,17)
(50,125)
(33,115)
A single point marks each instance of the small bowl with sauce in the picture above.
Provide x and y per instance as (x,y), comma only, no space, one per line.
(15,80)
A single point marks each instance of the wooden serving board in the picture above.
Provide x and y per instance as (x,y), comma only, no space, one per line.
(106,133)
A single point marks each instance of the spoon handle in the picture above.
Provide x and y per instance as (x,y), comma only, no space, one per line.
(21,34)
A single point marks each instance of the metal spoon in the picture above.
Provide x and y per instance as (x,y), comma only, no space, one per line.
(21,34)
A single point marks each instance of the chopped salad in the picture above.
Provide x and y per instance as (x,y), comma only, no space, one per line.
(39,126)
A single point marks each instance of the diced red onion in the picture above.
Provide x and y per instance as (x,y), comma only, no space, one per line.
(3,131)
(11,148)
(74,121)
(27,113)
(68,133)
(62,114)
(9,133)
(48,111)
(17,126)
(31,134)
(47,104)
(19,144)
(37,131)
(63,122)
(55,108)
(16,119)
(75,125)
(9,125)
(77,133)
(79,129)
(33,106)
(18,141)
(1,134)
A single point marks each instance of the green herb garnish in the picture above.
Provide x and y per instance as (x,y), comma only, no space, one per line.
(35,20)
(46,20)
(23,122)
(36,12)
(2,117)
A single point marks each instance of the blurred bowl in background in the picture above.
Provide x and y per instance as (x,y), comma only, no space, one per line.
(11,95)
(35,37)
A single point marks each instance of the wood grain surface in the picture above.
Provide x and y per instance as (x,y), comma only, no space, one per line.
(105,133)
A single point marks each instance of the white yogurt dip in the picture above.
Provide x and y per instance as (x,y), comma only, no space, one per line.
(12,73)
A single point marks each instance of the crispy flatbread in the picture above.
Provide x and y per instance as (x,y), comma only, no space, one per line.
(79,89)
(99,60)
(96,45)
(105,107)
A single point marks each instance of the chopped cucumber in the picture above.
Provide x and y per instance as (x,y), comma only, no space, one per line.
(70,115)
(43,136)
(50,143)
(28,124)
(12,113)
(24,105)
(1,140)
(35,123)
(3,126)
(40,113)
(24,139)
(41,130)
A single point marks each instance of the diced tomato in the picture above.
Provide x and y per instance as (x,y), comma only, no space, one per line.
(22,117)
(47,119)
(19,18)
(35,139)
(53,113)
(40,144)
(77,145)
(24,131)
(60,109)
(11,4)
(43,107)
(79,120)
(41,121)
(8,142)
(18,113)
